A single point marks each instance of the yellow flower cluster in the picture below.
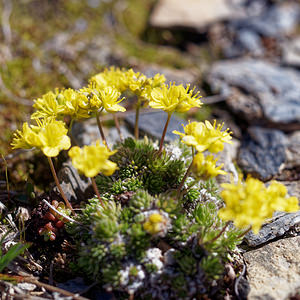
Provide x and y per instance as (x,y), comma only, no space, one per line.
(251,203)
(123,80)
(92,160)
(50,136)
(205,136)
(103,93)
(205,167)
(60,103)
(154,224)
(98,99)
(174,98)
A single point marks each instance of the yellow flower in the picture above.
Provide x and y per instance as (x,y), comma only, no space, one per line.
(174,98)
(50,136)
(135,81)
(93,159)
(277,198)
(205,167)
(49,106)
(66,102)
(26,138)
(90,99)
(102,98)
(53,136)
(154,224)
(154,82)
(205,136)
(251,203)
(110,98)
(113,77)
(122,81)
(74,104)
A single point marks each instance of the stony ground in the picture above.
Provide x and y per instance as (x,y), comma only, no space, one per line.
(243,56)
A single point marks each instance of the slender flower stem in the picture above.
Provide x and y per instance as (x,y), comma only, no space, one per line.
(183,179)
(219,234)
(70,127)
(164,134)
(117,123)
(96,190)
(101,129)
(59,186)
(136,125)
(244,233)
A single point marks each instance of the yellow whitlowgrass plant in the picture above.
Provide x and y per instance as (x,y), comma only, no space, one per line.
(114,77)
(205,167)
(142,87)
(174,98)
(250,203)
(205,136)
(73,104)
(110,98)
(90,99)
(154,82)
(98,99)
(126,80)
(107,98)
(49,105)
(135,81)
(50,136)
(61,103)
(26,138)
(92,160)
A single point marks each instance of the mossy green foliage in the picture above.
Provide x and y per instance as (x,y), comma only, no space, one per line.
(141,167)
(114,244)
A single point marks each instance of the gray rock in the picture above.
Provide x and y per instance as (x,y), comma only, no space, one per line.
(228,157)
(87,132)
(75,187)
(113,135)
(276,90)
(293,188)
(291,53)
(274,270)
(293,150)
(246,42)
(250,41)
(278,226)
(273,21)
(152,123)
(262,153)
(191,13)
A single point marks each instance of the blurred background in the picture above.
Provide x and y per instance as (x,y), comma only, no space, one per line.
(243,55)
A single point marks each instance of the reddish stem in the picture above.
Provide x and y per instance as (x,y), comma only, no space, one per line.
(59,186)
(96,190)
(101,130)
(118,127)
(164,134)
